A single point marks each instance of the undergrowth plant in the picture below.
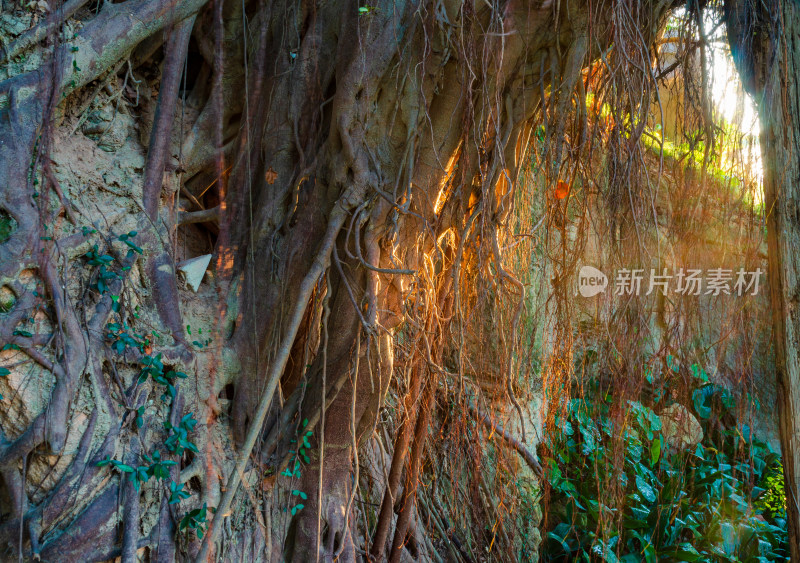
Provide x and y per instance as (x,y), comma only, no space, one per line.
(619,493)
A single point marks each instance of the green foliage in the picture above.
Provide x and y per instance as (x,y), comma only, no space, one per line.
(157,467)
(126,238)
(104,275)
(304,445)
(295,471)
(198,343)
(178,439)
(118,465)
(176,493)
(104,262)
(619,494)
(706,397)
(95,258)
(691,153)
(154,466)
(772,501)
(140,417)
(122,337)
(300,494)
(153,368)
(195,520)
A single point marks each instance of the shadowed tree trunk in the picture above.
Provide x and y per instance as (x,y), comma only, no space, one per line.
(765,42)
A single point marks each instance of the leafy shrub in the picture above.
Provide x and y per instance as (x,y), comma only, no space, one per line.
(618,493)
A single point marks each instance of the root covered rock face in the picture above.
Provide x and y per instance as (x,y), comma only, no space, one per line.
(346,165)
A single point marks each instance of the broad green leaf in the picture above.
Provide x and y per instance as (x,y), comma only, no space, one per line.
(655,451)
(559,540)
(644,487)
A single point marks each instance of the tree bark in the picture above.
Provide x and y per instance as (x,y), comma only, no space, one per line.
(765,41)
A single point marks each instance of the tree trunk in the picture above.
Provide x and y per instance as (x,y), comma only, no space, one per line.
(765,41)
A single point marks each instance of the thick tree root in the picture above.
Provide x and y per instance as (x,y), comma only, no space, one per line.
(512,442)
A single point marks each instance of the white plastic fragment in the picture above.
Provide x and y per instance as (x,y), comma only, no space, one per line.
(194,269)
